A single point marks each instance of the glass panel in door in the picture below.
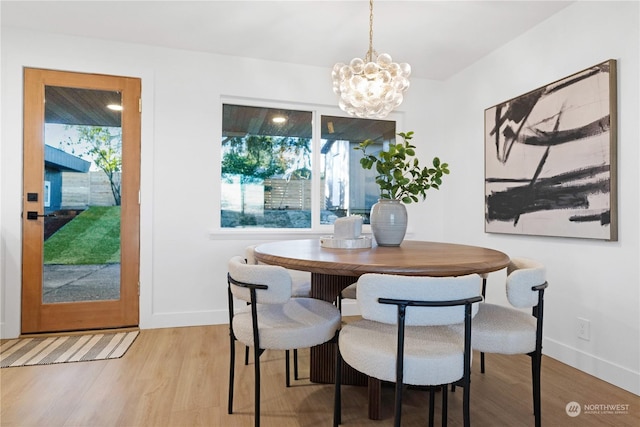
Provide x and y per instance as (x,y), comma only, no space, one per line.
(82,195)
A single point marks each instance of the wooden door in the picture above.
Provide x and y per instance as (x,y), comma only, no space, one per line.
(72,95)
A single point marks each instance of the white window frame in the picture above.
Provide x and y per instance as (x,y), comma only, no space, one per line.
(317,230)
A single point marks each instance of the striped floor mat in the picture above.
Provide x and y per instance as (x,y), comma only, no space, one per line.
(62,349)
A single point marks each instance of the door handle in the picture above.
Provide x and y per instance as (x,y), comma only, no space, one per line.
(34,215)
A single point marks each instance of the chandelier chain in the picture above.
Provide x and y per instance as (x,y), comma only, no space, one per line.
(370,52)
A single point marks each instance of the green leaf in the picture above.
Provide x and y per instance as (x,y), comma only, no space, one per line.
(399,174)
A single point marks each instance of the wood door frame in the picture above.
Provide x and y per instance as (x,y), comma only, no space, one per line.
(39,317)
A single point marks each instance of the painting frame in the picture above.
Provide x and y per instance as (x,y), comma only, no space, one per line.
(551,158)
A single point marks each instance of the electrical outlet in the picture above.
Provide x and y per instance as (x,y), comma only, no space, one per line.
(584,329)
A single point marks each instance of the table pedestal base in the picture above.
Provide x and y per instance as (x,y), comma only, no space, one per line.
(323,357)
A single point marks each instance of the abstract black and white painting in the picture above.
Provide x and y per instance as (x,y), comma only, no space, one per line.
(550,159)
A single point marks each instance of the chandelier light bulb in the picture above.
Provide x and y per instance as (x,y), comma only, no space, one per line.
(370,88)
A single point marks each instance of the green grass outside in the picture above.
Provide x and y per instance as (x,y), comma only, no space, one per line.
(93,237)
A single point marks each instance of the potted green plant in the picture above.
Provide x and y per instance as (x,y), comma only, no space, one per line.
(401,180)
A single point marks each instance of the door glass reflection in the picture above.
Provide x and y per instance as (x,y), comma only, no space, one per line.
(82,188)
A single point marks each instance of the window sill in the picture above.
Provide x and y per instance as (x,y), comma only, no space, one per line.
(265,234)
(277,234)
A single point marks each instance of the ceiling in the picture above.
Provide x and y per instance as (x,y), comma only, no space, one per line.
(241,120)
(72,106)
(438,38)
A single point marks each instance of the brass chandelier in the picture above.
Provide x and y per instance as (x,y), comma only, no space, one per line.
(371,87)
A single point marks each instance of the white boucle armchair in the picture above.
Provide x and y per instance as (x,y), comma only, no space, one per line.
(272,320)
(404,336)
(509,330)
(300,287)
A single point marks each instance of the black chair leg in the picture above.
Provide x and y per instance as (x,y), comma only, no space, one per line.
(398,405)
(337,396)
(287,367)
(256,364)
(246,353)
(536,360)
(484,286)
(484,290)
(432,404)
(445,402)
(295,364)
(465,405)
(232,356)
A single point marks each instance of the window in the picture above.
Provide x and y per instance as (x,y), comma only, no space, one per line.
(266,167)
(347,188)
(280,171)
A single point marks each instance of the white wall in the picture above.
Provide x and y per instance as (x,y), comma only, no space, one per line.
(595,280)
(183,267)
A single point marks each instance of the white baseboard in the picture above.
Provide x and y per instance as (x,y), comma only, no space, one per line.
(610,372)
(182,319)
(213,317)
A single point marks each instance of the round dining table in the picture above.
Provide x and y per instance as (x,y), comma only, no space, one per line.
(334,269)
(412,258)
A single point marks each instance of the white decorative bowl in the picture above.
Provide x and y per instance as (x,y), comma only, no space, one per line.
(361,242)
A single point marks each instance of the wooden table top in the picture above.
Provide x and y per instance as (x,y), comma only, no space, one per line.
(411,258)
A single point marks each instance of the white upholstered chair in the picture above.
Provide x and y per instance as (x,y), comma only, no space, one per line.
(347,293)
(272,320)
(403,336)
(300,287)
(509,330)
(300,280)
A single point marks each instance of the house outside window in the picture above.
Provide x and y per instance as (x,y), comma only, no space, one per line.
(279,170)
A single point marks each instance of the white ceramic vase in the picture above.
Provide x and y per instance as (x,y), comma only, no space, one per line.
(388,220)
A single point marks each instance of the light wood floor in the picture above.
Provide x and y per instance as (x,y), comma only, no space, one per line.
(179,377)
